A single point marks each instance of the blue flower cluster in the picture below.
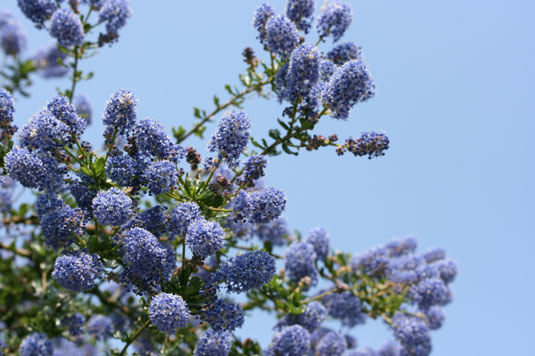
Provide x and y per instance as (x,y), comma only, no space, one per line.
(213,343)
(222,315)
(334,19)
(66,28)
(204,237)
(290,341)
(168,312)
(370,143)
(300,262)
(245,272)
(38,10)
(231,137)
(261,206)
(36,344)
(112,207)
(77,271)
(301,13)
(12,38)
(48,62)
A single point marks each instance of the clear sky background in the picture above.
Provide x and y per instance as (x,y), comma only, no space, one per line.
(455,94)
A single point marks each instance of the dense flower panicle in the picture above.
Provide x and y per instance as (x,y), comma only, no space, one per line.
(149,262)
(122,170)
(253,170)
(429,292)
(77,271)
(150,139)
(82,193)
(7,107)
(112,207)
(266,205)
(59,226)
(313,315)
(6,196)
(120,112)
(299,262)
(204,238)
(334,19)
(66,28)
(434,254)
(319,239)
(74,323)
(160,177)
(249,271)
(213,343)
(83,108)
(37,10)
(435,317)
(181,217)
(275,231)
(344,53)
(447,270)
(100,327)
(413,334)
(332,344)
(282,35)
(48,62)
(401,246)
(303,72)
(346,307)
(231,136)
(391,348)
(12,39)
(370,143)
(301,12)
(47,202)
(426,271)
(223,315)
(154,220)
(168,312)
(327,69)
(260,19)
(351,83)
(291,341)
(66,113)
(114,13)
(36,345)
(44,131)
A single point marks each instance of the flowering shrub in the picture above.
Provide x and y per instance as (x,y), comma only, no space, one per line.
(145,242)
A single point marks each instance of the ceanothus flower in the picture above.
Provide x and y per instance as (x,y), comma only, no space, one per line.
(274,231)
(120,111)
(299,262)
(60,225)
(351,83)
(74,323)
(181,218)
(327,69)
(319,239)
(112,207)
(291,341)
(82,192)
(429,292)
(160,177)
(301,12)
(413,334)
(37,10)
(282,35)
(66,28)
(261,207)
(434,255)
(6,17)
(332,344)
(435,317)
(77,271)
(313,315)
(151,139)
(7,107)
(148,261)
(47,202)
(168,312)
(334,19)
(34,169)
(114,13)
(391,348)
(122,170)
(351,341)
(204,238)
(48,62)
(344,306)
(154,220)
(374,262)
(253,170)
(447,270)
(46,132)
(303,72)
(231,136)
(12,39)
(222,315)
(36,344)
(344,52)
(248,271)
(261,17)
(213,343)
(83,108)
(100,327)
(401,246)
(66,112)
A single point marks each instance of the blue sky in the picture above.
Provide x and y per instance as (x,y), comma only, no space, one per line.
(455,81)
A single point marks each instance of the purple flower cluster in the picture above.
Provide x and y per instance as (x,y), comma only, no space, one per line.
(261,206)
(260,19)
(231,137)
(66,28)
(334,19)
(37,10)
(12,38)
(282,35)
(36,344)
(168,312)
(222,315)
(213,343)
(300,262)
(291,341)
(77,271)
(112,207)
(204,237)
(248,271)
(370,143)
